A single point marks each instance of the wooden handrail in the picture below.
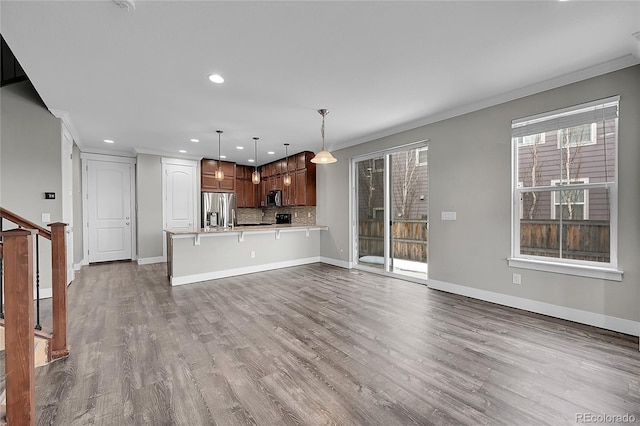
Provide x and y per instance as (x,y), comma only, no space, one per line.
(24,223)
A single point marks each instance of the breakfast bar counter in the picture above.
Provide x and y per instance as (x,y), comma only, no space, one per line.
(195,255)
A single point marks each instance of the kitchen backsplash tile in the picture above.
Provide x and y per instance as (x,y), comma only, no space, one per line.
(299,215)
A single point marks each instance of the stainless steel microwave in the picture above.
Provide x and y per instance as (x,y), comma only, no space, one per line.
(274,198)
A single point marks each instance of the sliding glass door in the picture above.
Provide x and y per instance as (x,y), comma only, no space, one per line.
(392,204)
(409,209)
(370,189)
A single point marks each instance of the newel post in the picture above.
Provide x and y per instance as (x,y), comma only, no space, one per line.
(59,347)
(19,324)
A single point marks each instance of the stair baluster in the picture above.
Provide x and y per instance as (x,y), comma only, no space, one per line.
(38,325)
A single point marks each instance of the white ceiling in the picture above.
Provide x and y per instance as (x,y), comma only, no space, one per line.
(139,77)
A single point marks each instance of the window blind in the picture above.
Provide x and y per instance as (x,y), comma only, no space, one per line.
(556,120)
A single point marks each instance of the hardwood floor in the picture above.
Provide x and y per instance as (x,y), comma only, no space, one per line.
(315,345)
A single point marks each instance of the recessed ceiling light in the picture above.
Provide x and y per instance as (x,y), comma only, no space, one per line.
(215,78)
(239,147)
(194,140)
(223,156)
(270,152)
(251,160)
(182,151)
(108,141)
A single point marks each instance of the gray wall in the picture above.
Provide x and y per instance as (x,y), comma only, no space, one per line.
(149,205)
(31,161)
(472,250)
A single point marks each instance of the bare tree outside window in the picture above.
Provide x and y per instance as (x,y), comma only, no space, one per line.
(530,200)
(407,175)
(571,141)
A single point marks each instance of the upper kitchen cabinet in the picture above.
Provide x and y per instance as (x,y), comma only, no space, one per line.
(208,181)
(246,190)
(302,160)
(302,191)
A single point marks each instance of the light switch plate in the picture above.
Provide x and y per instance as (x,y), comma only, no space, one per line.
(448,216)
(46,217)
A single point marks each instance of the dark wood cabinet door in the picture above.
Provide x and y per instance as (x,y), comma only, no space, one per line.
(288,194)
(300,188)
(250,191)
(208,166)
(301,161)
(208,182)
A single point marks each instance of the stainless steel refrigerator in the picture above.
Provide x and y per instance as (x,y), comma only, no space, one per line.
(219,209)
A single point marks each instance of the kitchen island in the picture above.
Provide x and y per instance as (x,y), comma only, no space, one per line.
(211,253)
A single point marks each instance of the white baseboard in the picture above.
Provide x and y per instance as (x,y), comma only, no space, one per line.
(45,293)
(336,262)
(188,279)
(150,260)
(576,315)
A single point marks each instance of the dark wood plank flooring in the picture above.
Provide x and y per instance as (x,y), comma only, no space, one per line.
(315,345)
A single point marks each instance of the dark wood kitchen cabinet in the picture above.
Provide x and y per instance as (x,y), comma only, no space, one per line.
(246,190)
(304,187)
(208,182)
(301,192)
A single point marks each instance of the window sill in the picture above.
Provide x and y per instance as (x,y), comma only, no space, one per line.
(567,269)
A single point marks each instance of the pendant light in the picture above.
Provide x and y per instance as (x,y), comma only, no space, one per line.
(287,179)
(255,176)
(219,173)
(324,156)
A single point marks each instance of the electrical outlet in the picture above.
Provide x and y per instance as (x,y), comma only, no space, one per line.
(517,279)
(295,214)
(309,214)
(253,254)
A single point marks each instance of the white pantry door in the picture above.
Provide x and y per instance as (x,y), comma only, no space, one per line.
(180,186)
(109,210)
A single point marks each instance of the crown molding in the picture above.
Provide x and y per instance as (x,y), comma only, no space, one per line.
(66,119)
(542,86)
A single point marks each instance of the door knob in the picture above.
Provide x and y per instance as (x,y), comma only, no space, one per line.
(127,223)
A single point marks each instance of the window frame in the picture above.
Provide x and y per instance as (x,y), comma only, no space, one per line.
(592,269)
(418,151)
(530,142)
(593,137)
(585,196)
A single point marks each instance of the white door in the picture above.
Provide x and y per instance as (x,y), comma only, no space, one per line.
(67,198)
(109,210)
(180,195)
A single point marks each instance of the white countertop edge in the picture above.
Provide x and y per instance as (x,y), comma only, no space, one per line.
(244,230)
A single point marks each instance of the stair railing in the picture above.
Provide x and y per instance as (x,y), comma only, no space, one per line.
(59,346)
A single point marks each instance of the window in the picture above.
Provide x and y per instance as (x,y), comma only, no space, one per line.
(421,156)
(528,140)
(575,202)
(575,136)
(564,210)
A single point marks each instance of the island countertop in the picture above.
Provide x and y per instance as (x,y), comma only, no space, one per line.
(196,255)
(241,228)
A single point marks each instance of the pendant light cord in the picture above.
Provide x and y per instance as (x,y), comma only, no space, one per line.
(323,113)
